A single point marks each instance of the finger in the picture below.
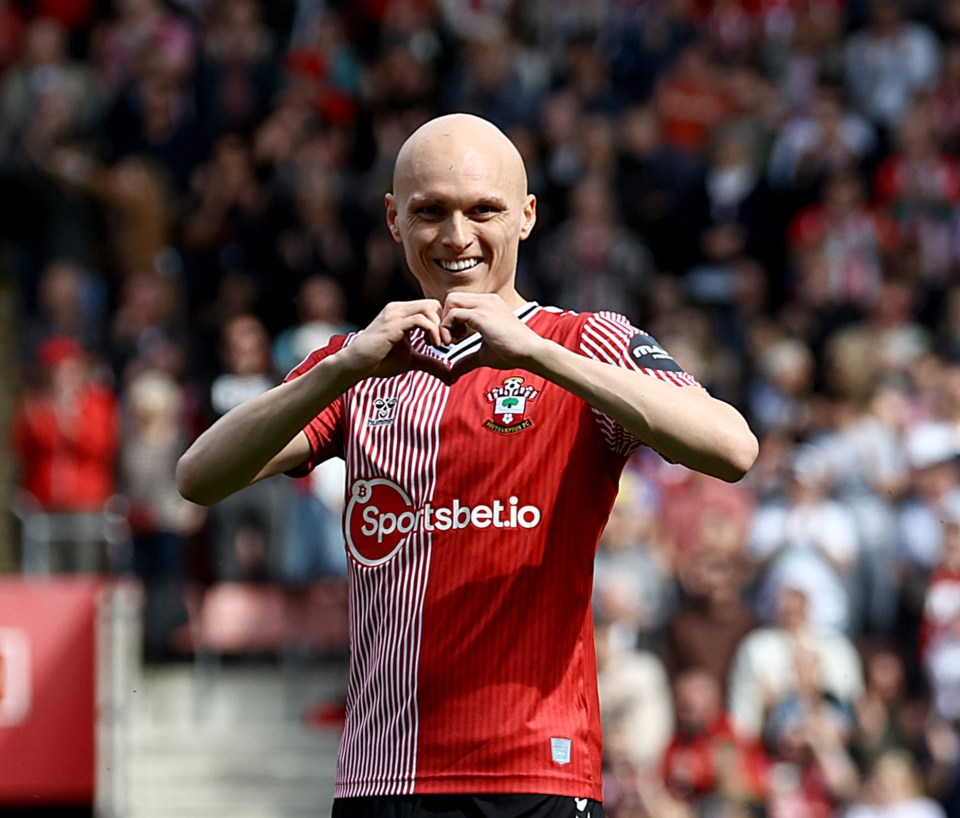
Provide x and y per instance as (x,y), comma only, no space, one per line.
(400,310)
(462,299)
(458,323)
(429,324)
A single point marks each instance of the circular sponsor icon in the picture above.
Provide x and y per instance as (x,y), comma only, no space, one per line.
(378,518)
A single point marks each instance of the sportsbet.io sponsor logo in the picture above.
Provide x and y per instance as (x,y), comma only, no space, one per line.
(380,515)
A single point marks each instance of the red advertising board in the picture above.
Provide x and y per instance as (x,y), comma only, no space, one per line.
(47,690)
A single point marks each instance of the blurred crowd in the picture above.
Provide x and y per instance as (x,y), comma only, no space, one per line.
(192,195)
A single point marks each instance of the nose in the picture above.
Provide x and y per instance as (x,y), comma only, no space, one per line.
(456,233)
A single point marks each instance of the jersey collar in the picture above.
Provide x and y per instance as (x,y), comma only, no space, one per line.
(472,343)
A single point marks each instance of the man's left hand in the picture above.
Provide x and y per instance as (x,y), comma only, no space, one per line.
(508,343)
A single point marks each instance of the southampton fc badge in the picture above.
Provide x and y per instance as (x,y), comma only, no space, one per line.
(509,406)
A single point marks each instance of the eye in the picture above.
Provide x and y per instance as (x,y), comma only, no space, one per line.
(485,211)
(429,211)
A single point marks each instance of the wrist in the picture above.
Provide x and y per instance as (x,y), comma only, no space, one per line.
(537,356)
(342,370)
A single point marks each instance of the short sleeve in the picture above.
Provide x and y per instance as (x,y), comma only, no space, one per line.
(325,431)
(612,339)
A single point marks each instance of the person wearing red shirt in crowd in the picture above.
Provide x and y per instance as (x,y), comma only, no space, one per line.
(851,239)
(692,101)
(941,601)
(66,432)
(706,759)
(484,436)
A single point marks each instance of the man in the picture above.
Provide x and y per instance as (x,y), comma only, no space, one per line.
(483,437)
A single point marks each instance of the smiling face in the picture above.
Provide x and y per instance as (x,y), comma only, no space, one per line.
(460,208)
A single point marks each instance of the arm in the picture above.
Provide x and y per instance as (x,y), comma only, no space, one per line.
(264,436)
(685,424)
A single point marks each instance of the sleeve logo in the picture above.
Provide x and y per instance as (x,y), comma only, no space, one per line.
(509,401)
(648,354)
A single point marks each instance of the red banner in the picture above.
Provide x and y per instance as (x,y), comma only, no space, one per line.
(47,690)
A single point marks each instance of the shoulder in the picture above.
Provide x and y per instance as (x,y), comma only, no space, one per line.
(336,343)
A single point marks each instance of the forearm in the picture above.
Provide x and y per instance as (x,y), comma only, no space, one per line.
(684,424)
(246,443)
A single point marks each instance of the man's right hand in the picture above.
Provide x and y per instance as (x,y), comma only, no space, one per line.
(383,349)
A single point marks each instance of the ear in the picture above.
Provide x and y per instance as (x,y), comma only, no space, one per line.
(390,202)
(529,216)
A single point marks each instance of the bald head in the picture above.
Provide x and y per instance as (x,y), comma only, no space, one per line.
(460,207)
(462,142)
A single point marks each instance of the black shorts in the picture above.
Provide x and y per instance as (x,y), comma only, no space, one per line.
(467,806)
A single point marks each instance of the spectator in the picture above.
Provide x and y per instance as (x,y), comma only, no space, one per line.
(807,537)
(692,100)
(889,62)
(143,36)
(635,705)
(633,586)
(591,258)
(706,763)
(488,81)
(651,181)
(867,474)
(44,76)
(807,734)
(71,301)
(945,99)
(932,452)
(135,196)
(731,213)
(249,530)
(886,717)
(66,432)
(780,390)
(919,185)
(940,627)
(817,143)
(314,547)
(688,505)
(713,617)
(238,70)
(160,519)
(764,666)
(895,787)
(847,239)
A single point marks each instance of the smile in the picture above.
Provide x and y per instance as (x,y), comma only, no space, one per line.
(458,265)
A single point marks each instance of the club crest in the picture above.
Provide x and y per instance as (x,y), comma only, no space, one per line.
(510,401)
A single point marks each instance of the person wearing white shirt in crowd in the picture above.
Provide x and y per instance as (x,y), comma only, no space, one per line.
(764,666)
(806,534)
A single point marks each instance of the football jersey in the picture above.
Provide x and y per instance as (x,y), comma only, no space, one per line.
(472,515)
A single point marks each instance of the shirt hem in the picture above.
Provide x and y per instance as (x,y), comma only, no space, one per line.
(474,785)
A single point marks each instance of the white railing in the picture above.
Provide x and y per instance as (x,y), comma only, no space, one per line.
(73,542)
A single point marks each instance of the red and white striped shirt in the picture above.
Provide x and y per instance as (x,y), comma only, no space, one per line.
(471,523)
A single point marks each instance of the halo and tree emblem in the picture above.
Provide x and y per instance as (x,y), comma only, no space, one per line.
(509,401)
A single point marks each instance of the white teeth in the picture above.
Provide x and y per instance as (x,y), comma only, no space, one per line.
(458,266)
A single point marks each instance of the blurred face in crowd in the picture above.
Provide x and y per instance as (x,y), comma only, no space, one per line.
(697,701)
(460,208)
(791,608)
